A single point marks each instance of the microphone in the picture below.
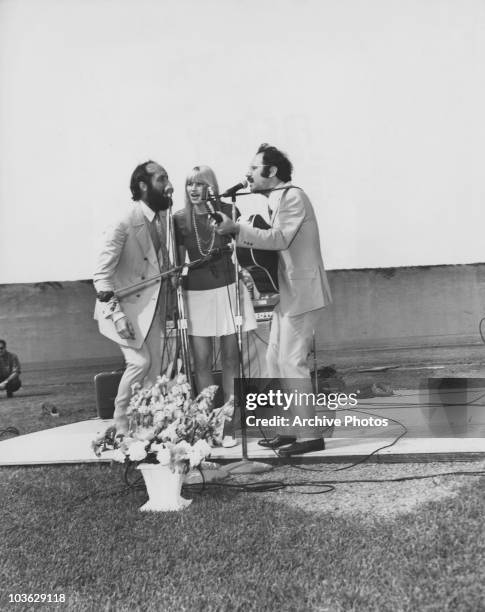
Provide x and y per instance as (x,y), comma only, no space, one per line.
(231,192)
(168,191)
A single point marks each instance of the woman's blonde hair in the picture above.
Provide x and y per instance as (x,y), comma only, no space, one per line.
(199,174)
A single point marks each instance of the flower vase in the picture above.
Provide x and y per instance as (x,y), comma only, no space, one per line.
(163,488)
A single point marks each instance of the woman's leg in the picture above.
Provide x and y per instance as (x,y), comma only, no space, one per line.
(202,354)
(230,371)
(230,364)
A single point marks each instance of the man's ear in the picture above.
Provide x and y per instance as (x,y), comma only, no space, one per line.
(272,171)
(142,186)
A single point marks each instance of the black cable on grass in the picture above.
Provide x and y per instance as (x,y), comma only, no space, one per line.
(268,486)
(248,487)
(127,488)
(131,485)
(277,485)
(98,494)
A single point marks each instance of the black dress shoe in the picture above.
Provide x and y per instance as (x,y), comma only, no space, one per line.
(299,448)
(277,441)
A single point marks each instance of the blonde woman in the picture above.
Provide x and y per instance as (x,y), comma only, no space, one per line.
(210,289)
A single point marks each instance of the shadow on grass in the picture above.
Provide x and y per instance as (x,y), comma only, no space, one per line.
(77,530)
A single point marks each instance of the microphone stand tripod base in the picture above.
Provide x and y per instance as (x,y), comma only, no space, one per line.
(245,466)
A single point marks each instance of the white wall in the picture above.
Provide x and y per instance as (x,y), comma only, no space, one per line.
(378,103)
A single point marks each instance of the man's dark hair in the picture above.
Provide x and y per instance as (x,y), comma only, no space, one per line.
(140,173)
(274,157)
(2,342)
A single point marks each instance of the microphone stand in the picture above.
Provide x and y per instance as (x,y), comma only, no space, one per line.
(244,466)
(124,291)
(183,340)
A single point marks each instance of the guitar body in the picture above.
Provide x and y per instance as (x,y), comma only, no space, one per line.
(262,265)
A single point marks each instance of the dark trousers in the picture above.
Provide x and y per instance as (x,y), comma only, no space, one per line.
(13,385)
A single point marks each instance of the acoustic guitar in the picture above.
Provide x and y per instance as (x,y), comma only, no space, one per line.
(261,264)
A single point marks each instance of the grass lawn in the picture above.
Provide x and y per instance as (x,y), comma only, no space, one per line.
(76,530)
(73,530)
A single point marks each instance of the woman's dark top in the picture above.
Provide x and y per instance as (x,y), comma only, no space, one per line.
(219,271)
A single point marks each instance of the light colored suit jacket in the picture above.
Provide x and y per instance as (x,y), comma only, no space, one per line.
(127,257)
(294,233)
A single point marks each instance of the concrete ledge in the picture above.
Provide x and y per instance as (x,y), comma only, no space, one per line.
(72,444)
(378,308)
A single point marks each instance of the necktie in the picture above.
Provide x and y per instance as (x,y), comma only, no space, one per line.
(155,234)
(161,229)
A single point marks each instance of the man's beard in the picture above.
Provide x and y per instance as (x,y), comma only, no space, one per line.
(156,200)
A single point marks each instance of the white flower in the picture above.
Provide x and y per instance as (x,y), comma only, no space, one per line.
(137,451)
(209,392)
(175,391)
(159,417)
(135,388)
(144,409)
(163,454)
(145,433)
(170,432)
(199,451)
(169,408)
(118,455)
(182,449)
(204,404)
(126,443)
(224,412)
(202,419)
(186,388)
(155,392)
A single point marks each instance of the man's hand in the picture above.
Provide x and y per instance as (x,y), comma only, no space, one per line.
(174,281)
(227,225)
(125,328)
(105,296)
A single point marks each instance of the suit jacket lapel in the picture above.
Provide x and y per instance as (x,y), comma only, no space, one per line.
(276,208)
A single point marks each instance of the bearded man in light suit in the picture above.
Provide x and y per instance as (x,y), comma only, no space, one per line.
(134,250)
(303,286)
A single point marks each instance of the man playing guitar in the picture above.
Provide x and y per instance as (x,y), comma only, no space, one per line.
(303,285)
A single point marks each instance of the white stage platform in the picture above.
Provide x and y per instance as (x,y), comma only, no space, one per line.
(72,443)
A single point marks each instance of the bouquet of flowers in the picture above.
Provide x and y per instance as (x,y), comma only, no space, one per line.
(167,426)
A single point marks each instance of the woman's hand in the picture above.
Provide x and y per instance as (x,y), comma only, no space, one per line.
(248,280)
